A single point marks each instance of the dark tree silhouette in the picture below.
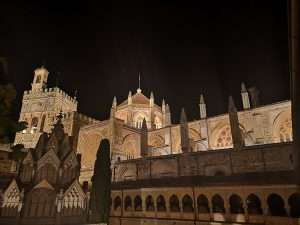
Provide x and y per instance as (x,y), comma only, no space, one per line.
(101,184)
(8,127)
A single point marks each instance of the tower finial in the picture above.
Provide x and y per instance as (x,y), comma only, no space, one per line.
(139,90)
(139,80)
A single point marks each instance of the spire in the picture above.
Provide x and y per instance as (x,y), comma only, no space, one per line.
(139,90)
(114,103)
(129,98)
(236,132)
(243,87)
(184,132)
(75,94)
(113,107)
(183,118)
(202,99)
(151,99)
(167,108)
(202,107)
(163,106)
(167,116)
(245,96)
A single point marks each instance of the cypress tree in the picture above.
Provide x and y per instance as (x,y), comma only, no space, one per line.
(101,184)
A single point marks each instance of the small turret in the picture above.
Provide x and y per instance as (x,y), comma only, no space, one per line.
(202,107)
(163,106)
(129,98)
(114,103)
(167,116)
(245,97)
(113,107)
(151,99)
(40,79)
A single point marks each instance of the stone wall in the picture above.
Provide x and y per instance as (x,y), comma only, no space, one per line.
(258,159)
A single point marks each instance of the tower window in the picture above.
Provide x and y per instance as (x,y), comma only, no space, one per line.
(38,79)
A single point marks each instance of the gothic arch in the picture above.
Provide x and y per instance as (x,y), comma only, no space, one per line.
(187,204)
(138,203)
(276,205)
(236,204)
(128,203)
(160,203)
(88,144)
(156,140)
(221,136)
(117,203)
(218,204)
(149,203)
(253,204)
(202,204)
(138,119)
(130,147)
(157,122)
(174,204)
(282,127)
(294,202)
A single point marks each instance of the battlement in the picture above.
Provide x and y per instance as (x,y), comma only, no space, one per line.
(47,91)
(79,116)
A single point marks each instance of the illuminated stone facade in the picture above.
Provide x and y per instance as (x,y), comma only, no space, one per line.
(260,125)
(40,107)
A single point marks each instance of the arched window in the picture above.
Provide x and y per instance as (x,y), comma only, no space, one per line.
(202,204)
(187,204)
(174,204)
(138,203)
(253,204)
(149,203)
(157,123)
(294,202)
(34,124)
(38,79)
(117,203)
(236,204)
(276,205)
(139,122)
(128,204)
(160,204)
(218,204)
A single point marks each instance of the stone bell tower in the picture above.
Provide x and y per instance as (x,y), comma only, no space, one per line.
(40,79)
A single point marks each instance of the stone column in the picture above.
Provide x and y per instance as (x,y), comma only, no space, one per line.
(227,208)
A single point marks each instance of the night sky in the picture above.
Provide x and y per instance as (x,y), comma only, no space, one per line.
(180,51)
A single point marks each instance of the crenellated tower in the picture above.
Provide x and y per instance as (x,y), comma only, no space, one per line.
(40,107)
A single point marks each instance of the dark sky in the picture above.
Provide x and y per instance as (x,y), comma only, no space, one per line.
(180,50)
